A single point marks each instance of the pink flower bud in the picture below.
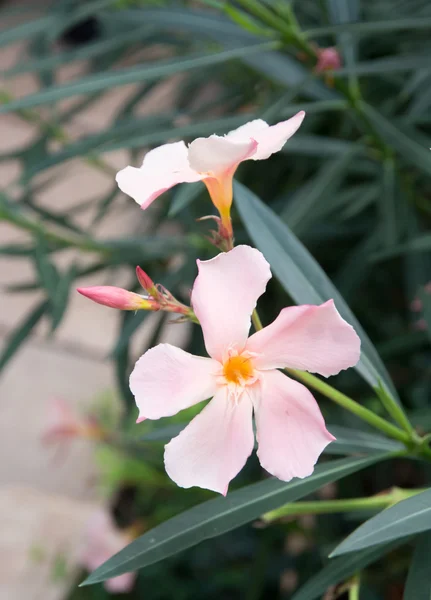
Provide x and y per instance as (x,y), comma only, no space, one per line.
(416,305)
(147,283)
(328,59)
(118,298)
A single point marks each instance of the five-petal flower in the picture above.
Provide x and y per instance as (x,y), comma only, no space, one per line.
(242,377)
(212,160)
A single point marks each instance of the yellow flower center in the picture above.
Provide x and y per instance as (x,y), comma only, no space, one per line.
(238,369)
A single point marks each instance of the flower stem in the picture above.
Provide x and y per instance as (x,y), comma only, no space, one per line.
(257,323)
(380,501)
(351,405)
(354,588)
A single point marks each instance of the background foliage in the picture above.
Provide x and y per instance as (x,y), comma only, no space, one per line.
(352,185)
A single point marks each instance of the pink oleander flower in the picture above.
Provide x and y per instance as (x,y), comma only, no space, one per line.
(65,424)
(242,377)
(328,59)
(212,160)
(102,540)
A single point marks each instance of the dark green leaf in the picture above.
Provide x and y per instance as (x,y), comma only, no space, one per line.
(407,517)
(364,27)
(21,333)
(354,441)
(217,516)
(185,195)
(418,584)
(60,299)
(301,276)
(408,148)
(340,569)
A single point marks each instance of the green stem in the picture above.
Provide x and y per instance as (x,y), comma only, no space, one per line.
(351,405)
(381,501)
(354,588)
(257,323)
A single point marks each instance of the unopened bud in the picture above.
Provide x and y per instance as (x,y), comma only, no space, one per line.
(328,59)
(118,298)
(147,283)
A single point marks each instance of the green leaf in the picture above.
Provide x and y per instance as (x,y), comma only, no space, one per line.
(354,441)
(60,299)
(301,276)
(20,334)
(46,270)
(388,206)
(412,152)
(104,81)
(407,517)
(340,569)
(365,28)
(82,53)
(184,196)
(280,68)
(420,244)
(220,515)
(382,66)
(27,30)
(418,584)
(303,206)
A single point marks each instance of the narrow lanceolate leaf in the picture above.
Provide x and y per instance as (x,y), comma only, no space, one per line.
(354,441)
(418,584)
(21,333)
(301,276)
(25,31)
(409,516)
(388,208)
(220,515)
(144,72)
(340,569)
(408,148)
(303,206)
(364,27)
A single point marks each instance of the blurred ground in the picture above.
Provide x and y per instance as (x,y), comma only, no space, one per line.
(44,502)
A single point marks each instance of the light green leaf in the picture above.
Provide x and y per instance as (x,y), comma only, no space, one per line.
(301,276)
(217,516)
(407,517)
(418,584)
(340,569)
(104,81)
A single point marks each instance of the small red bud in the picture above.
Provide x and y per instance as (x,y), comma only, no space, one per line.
(147,283)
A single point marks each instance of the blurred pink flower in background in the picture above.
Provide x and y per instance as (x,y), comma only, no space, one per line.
(242,377)
(102,539)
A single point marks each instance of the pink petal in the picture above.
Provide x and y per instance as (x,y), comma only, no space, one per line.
(162,168)
(214,447)
(121,584)
(215,155)
(291,432)
(166,380)
(225,294)
(269,139)
(309,338)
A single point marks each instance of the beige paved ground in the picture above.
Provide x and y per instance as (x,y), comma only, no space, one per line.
(45,503)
